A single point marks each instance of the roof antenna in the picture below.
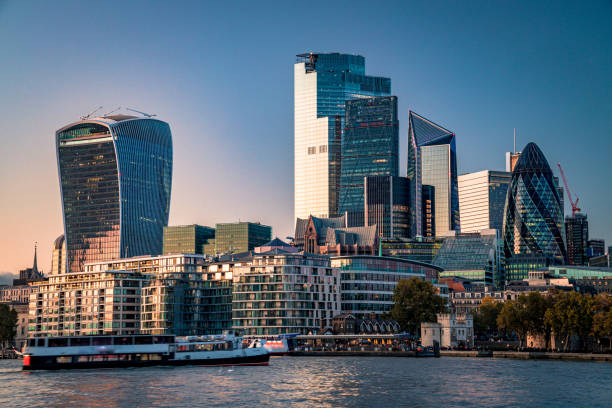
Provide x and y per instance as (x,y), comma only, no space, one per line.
(91,113)
(113,111)
(148,115)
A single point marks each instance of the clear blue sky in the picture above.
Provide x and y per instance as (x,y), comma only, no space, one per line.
(221,74)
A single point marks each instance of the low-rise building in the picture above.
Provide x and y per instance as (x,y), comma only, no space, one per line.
(456,329)
(331,236)
(86,303)
(368,282)
(281,292)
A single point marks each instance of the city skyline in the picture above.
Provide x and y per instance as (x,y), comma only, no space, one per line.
(231,131)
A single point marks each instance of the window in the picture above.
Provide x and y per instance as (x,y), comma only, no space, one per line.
(323,149)
(58,342)
(312,150)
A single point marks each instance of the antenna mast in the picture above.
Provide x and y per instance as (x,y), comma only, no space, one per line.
(148,115)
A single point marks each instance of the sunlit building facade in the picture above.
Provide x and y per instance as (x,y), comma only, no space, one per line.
(186,239)
(322,85)
(533,230)
(58,257)
(432,161)
(285,293)
(482,197)
(115,179)
(370,147)
(237,237)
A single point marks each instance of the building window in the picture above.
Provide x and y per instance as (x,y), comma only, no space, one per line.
(323,149)
(312,150)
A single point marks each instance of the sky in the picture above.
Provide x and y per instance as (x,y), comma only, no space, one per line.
(221,74)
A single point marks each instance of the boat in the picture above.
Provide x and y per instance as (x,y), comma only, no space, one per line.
(53,353)
(276,347)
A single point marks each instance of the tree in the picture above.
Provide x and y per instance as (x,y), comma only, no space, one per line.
(571,314)
(602,318)
(513,318)
(415,302)
(8,324)
(485,319)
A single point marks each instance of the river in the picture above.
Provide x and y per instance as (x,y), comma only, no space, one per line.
(318,381)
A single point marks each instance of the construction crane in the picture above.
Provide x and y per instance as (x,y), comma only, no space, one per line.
(148,115)
(90,113)
(573,203)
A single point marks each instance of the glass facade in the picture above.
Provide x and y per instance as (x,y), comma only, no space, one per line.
(432,160)
(577,237)
(370,147)
(186,239)
(238,237)
(367,282)
(533,218)
(387,205)
(322,85)
(473,256)
(415,250)
(482,197)
(115,180)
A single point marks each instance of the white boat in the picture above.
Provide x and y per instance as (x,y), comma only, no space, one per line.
(52,353)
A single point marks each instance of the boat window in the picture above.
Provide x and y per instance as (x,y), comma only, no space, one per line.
(101,341)
(162,339)
(32,342)
(143,340)
(122,341)
(61,342)
(41,343)
(80,341)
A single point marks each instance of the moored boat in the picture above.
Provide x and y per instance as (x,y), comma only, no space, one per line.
(52,353)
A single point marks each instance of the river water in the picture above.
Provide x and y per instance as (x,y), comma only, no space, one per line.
(314,381)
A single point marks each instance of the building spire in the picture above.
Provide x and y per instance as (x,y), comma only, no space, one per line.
(35,265)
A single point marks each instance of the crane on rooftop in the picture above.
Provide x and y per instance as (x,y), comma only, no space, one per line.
(85,117)
(148,115)
(573,203)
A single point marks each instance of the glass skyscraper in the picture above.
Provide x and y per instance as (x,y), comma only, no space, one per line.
(387,204)
(533,230)
(482,197)
(115,180)
(370,147)
(432,161)
(322,84)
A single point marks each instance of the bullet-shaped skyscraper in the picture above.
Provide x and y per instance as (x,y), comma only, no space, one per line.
(115,180)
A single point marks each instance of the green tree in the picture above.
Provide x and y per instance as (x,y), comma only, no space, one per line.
(513,318)
(8,324)
(571,314)
(602,318)
(485,318)
(415,302)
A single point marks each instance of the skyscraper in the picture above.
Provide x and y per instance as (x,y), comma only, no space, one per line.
(533,230)
(370,147)
(58,259)
(576,238)
(482,197)
(387,205)
(322,84)
(115,179)
(432,160)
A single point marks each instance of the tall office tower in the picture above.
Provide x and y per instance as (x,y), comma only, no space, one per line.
(482,197)
(186,239)
(533,230)
(576,238)
(596,247)
(387,203)
(370,147)
(115,179)
(432,160)
(428,202)
(322,85)
(58,259)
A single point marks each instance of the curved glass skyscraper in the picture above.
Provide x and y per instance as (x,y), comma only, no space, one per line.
(533,216)
(115,180)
